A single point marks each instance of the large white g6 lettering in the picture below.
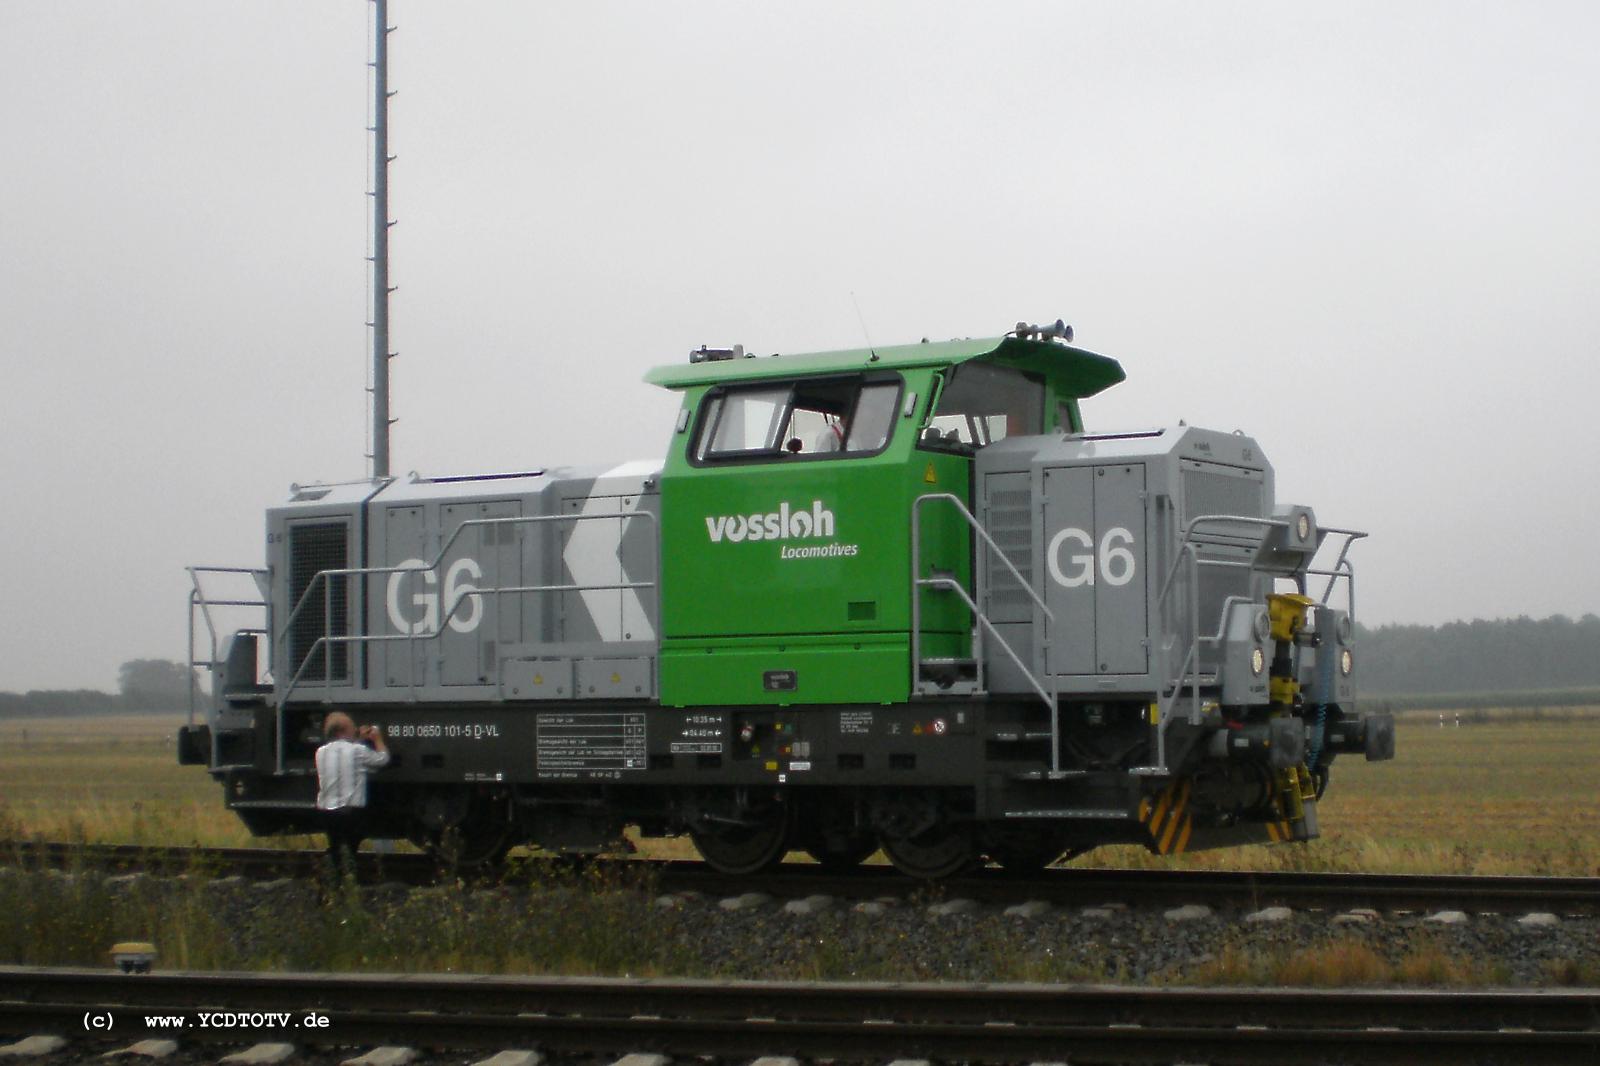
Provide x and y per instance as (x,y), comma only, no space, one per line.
(1084,563)
(463,618)
(1116,559)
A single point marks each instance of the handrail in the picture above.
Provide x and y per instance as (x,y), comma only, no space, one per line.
(954,585)
(1188,550)
(1050,698)
(1342,567)
(327,640)
(198,598)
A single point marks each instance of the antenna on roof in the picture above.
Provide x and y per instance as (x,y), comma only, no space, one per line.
(863,320)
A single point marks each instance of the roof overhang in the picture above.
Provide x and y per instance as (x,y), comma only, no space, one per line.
(1074,372)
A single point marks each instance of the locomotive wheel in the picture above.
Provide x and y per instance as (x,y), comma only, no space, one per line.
(838,859)
(936,852)
(745,848)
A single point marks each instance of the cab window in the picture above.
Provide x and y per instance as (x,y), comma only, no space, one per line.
(743,422)
(800,420)
(982,403)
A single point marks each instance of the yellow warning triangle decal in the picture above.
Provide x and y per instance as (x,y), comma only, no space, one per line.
(929,476)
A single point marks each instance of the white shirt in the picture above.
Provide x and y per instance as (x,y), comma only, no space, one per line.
(342,767)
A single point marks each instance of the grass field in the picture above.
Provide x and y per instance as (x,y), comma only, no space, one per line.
(1506,795)
(112,779)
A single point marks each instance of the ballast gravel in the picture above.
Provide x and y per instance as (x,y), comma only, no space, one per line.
(922,935)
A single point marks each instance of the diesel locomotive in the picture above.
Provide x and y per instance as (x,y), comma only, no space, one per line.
(896,598)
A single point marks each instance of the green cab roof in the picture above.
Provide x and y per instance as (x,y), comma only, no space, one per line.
(1072,371)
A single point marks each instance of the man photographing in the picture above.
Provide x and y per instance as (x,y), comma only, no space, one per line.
(342,766)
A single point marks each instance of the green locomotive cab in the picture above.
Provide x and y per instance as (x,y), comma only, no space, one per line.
(787,501)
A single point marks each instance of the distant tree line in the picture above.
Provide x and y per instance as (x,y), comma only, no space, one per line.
(143,685)
(1505,655)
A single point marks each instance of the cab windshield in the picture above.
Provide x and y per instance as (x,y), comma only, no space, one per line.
(982,403)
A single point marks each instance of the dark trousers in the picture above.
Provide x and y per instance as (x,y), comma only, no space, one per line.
(346,828)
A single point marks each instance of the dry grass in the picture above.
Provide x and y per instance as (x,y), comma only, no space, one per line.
(1504,796)
(112,779)
(1507,796)
(1347,963)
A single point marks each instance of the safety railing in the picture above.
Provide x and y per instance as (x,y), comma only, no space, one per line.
(1188,562)
(984,625)
(416,634)
(201,605)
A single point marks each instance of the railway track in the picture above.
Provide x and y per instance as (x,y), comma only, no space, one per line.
(1067,885)
(855,1022)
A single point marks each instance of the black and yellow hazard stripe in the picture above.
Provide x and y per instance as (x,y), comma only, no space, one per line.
(1280,832)
(1166,817)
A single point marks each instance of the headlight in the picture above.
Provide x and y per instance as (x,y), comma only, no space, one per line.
(1302,526)
(1258,661)
(1347,662)
(1263,626)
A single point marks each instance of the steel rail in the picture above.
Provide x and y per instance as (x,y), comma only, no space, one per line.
(1064,885)
(973,1022)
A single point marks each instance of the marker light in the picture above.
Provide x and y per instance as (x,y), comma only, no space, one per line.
(1258,661)
(1347,662)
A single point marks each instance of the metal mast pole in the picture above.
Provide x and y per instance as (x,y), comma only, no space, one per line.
(380,240)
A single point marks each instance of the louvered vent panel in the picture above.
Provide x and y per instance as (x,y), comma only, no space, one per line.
(326,612)
(1210,491)
(1010,523)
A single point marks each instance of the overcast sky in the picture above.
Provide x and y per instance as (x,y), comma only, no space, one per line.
(1368,235)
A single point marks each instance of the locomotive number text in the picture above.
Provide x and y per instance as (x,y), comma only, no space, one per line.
(1115,558)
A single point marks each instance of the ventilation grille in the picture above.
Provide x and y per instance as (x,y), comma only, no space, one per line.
(1010,523)
(1211,490)
(1223,492)
(326,612)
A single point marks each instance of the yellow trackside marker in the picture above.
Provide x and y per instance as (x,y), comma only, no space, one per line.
(772,766)
(930,476)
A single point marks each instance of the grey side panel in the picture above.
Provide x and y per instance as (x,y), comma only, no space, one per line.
(1121,583)
(479,557)
(1068,570)
(404,597)
(1215,489)
(600,551)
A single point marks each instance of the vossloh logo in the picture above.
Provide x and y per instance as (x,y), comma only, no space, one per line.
(782,524)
